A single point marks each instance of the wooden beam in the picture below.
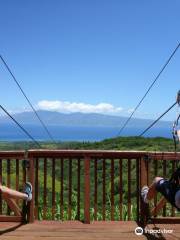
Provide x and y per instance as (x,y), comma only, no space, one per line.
(166,220)
(4,218)
(12,205)
(158,207)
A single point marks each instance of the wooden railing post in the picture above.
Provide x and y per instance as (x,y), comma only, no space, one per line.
(31,179)
(87,189)
(144,208)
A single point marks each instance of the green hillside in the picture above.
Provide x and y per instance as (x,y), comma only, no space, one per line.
(119,143)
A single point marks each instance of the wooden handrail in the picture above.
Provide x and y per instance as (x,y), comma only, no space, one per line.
(104,154)
(12,154)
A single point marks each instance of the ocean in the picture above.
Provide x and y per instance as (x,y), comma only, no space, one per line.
(64,133)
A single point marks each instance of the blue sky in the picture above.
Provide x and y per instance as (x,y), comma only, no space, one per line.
(75,55)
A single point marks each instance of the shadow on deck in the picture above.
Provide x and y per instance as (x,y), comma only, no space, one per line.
(52,230)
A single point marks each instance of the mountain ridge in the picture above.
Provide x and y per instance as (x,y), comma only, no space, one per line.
(81,119)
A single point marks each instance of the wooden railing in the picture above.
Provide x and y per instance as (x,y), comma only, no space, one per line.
(13,174)
(163,165)
(98,178)
(88,185)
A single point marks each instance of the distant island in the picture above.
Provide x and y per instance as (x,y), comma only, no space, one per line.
(78,126)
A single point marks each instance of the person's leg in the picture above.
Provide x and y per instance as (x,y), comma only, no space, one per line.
(148,193)
(8,192)
(152,189)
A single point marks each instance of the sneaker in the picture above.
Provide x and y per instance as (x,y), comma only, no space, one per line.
(28,190)
(144,192)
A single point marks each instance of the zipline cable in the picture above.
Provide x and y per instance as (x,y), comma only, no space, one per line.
(152,124)
(20,126)
(24,94)
(142,99)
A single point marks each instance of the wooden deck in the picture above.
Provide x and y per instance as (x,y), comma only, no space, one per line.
(52,230)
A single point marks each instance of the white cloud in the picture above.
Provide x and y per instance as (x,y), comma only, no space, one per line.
(71,107)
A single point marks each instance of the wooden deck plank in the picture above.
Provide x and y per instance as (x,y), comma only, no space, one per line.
(54,230)
(74,238)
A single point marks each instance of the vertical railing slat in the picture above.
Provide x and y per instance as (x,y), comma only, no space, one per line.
(173,209)
(70,190)
(62,190)
(164,175)
(31,179)
(53,188)
(104,190)
(112,189)
(24,173)
(148,171)
(37,188)
(143,182)
(17,176)
(120,189)
(95,189)
(87,189)
(8,173)
(78,187)
(137,188)
(129,189)
(45,189)
(155,174)
(8,180)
